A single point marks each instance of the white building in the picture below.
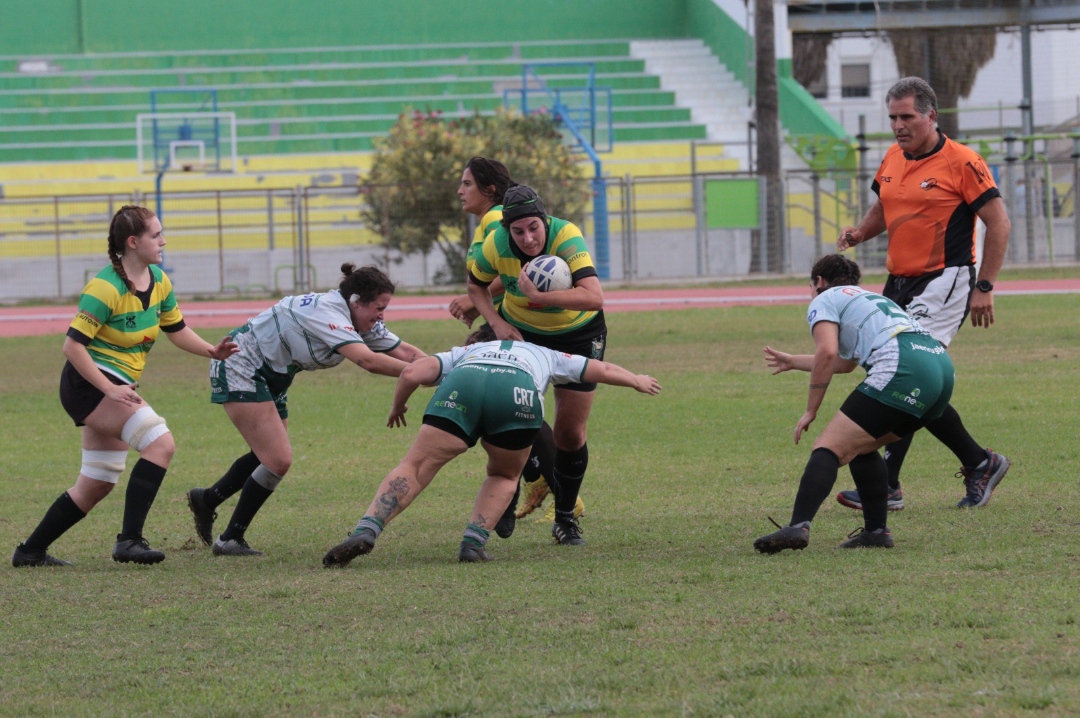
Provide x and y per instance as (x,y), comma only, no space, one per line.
(859,71)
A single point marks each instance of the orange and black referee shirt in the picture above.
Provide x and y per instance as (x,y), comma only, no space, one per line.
(930,203)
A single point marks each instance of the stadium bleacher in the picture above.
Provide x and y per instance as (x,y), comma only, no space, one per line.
(316,100)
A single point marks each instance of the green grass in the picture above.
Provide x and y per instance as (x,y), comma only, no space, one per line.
(668,611)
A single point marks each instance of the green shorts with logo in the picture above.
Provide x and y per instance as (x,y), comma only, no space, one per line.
(484,399)
(914,374)
(245,377)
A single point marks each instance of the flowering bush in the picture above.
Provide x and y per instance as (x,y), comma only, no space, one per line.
(412,186)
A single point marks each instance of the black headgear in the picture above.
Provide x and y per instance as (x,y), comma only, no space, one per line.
(522,201)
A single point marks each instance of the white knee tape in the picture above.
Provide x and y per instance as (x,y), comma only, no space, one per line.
(265,478)
(103,465)
(143,428)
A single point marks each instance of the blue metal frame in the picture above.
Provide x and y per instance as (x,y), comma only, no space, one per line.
(581,121)
(186,132)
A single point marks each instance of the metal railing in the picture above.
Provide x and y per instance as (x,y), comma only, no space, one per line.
(662,229)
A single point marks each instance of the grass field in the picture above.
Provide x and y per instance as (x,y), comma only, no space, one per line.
(668,611)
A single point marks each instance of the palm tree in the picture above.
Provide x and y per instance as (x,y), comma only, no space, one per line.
(768,139)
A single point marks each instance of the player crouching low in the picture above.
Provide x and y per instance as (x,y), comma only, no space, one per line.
(909,381)
(487,390)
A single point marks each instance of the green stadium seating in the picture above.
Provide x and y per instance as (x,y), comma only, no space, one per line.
(318,100)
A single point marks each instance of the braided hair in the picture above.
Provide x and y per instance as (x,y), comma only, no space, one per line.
(837,271)
(129,221)
(364,284)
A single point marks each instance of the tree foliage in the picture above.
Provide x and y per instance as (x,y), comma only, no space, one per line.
(809,52)
(412,186)
(948,59)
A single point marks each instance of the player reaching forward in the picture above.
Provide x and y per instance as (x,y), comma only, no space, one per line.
(491,391)
(300,333)
(909,379)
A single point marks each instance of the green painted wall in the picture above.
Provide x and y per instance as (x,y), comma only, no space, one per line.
(39,27)
(53,26)
(725,37)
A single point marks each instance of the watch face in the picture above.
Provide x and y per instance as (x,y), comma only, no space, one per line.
(984,286)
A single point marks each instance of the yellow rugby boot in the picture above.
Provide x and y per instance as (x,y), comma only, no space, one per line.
(579,509)
(533,497)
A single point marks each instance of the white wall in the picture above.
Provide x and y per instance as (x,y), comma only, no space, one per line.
(1055,73)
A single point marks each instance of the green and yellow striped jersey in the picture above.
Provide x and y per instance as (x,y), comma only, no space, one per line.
(500,257)
(491,221)
(119,327)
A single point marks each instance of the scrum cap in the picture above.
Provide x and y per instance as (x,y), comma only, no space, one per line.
(522,201)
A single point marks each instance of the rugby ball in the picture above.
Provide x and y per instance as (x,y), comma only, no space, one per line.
(549,273)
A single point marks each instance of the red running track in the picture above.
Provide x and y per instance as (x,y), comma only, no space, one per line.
(31,321)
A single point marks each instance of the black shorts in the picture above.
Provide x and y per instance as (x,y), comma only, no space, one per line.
(588,341)
(513,440)
(878,419)
(78,396)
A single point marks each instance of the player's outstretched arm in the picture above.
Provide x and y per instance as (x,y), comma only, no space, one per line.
(780,361)
(420,373)
(406,352)
(192,343)
(374,362)
(607,373)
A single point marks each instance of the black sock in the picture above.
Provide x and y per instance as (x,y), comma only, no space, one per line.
(816,484)
(252,497)
(62,515)
(949,430)
(872,480)
(894,459)
(232,481)
(142,488)
(541,461)
(569,473)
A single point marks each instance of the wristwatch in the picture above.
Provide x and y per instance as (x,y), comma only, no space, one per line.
(984,285)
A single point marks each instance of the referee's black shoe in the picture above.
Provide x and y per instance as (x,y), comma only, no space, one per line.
(861,538)
(566,530)
(34,559)
(135,550)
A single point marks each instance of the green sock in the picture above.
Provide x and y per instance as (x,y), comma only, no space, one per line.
(371,524)
(476,535)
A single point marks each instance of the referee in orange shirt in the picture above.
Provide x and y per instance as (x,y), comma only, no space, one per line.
(930,191)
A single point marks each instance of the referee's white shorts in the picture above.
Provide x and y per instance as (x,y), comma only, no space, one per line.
(938,301)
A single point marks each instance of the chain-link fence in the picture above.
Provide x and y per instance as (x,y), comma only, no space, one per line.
(659,229)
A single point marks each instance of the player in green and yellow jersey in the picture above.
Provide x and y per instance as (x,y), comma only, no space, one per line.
(120,314)
(483,183)
(570,321)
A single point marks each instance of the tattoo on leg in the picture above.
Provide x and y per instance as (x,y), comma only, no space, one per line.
(481,520)
(389,501)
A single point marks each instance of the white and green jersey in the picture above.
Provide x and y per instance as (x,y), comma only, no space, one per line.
(304,332)
(544,365)
(867,321)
